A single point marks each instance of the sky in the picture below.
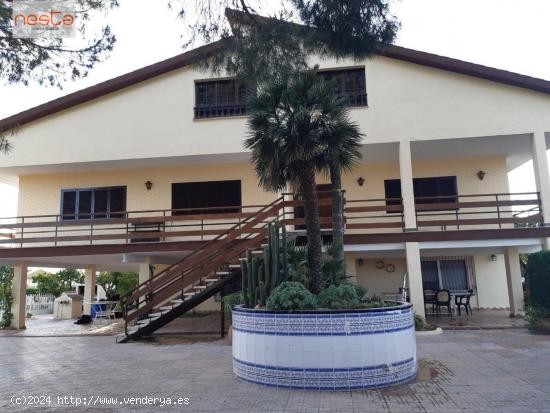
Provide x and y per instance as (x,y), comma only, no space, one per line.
(506,34)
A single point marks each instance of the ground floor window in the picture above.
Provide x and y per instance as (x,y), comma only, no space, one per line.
(212,197)
(93,203)
(451,274)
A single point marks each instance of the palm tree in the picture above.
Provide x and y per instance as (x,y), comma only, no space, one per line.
(290,120)
(342,154)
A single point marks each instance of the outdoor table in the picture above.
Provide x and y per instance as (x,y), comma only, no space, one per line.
(105,308)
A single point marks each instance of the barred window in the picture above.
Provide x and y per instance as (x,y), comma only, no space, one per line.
(349,84)
(220,98)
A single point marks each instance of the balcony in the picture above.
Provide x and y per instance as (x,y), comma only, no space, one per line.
(373,220)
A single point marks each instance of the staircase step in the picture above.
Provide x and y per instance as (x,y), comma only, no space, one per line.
(156,315)
(258,252)
(223,273)
(199,287)
(132,330)
(143,322)
(189,294)
(234,266)
(166,308)
(211,280)
(176,302)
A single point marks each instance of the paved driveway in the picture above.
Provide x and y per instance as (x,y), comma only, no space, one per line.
(474,371)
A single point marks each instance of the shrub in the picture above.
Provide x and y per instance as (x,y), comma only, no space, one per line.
(341,296)
(6,298)
(231,300)
(32,291)
(534,314)
(537,276)
(419,323)
(291,295)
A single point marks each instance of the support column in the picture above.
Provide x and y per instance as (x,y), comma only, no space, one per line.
(89,288)
(407,190)
(145,270)
(542,177)
(414,270)
(19,292)
(513,279)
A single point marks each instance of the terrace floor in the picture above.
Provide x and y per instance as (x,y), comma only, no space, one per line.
(479,319)
(469,371)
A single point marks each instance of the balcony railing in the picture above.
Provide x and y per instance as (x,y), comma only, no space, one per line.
(205,112)
(384,215)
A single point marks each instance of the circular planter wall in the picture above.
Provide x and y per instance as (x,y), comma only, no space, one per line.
(332,350)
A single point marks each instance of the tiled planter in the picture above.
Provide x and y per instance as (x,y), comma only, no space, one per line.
(330,350)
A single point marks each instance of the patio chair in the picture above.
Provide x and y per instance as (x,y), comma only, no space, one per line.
(429,298)
(442,299)
(463,300)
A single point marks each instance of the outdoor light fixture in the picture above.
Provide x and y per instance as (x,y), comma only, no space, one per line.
(481,175)
(360,261)
(493,257)
(360,181)
(148,185)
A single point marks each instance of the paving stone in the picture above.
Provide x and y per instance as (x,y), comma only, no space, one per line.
(459,371)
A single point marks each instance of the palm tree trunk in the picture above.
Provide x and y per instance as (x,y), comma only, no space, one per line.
(313,229)
(337,214)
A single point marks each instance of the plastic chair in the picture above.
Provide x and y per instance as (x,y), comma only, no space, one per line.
(429,298)
(443,299)
(463,300)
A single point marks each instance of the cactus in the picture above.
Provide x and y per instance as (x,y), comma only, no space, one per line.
(263,294)
(262,274)
(284,271)
(244,281)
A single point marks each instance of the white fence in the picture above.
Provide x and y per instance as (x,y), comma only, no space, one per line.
(39,304)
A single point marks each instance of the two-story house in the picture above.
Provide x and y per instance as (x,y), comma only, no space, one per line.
(139,171)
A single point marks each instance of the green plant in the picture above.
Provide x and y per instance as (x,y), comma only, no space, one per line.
(6,296)
(534,314)
(117,284)
(292,122)
(32,291)
(537,276)
(361,291)
(419,323)
(231,300)
(291,296)
(340,296)
(261,275)
(58,283)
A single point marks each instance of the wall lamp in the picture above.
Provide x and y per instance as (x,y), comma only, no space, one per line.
(481,175)
(148,185)
(360,181)
(493,257)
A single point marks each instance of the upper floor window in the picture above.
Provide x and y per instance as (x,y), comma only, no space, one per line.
(350,85)
(220,98)
(223,98)
(93,203)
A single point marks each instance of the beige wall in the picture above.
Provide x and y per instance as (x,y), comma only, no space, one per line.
(465,170)
(489,279)
(40,194)
(379,281)
(154,119)
(491,282)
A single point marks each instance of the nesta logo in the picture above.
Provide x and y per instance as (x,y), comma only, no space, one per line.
(51,18)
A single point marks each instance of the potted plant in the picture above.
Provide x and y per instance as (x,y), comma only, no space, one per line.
(302,325)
